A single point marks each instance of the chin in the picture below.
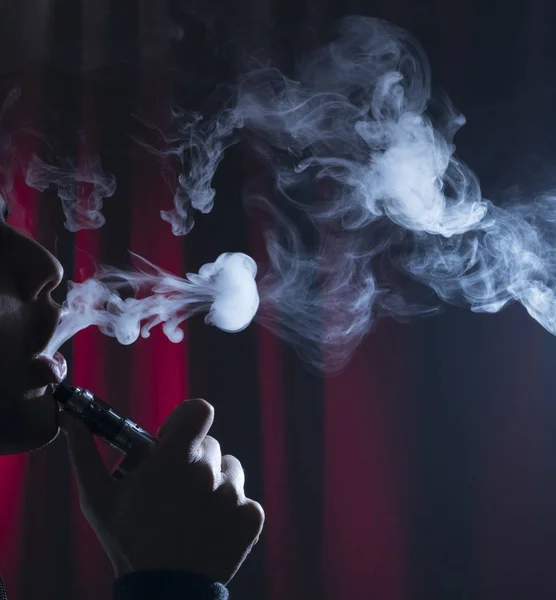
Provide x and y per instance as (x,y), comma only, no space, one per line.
(29,423)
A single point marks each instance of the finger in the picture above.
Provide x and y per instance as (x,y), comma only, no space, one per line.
(232,480)
(184,430)
(232,472)
(253,518)
(92,476)
(210,455)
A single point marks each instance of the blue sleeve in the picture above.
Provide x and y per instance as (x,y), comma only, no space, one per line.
(166,585)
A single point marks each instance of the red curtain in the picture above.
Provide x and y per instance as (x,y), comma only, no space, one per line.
(426,468)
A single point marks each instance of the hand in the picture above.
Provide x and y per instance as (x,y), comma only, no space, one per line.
(183,508)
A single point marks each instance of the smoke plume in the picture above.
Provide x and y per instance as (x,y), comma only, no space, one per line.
(356,152)
(225,289)
(354,123)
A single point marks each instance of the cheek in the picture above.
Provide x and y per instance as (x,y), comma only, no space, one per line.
(12,347)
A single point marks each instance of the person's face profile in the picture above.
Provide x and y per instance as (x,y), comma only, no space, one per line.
(28,317)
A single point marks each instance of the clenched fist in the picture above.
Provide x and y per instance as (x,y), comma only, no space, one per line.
(183,508)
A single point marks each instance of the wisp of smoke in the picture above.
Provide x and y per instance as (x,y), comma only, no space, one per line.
(353,120)
(8,154)
(225,289)
(199,146)
(81,189)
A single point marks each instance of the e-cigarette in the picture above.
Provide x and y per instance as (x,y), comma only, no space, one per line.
(112,428)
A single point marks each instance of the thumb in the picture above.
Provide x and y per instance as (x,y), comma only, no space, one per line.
(93,478)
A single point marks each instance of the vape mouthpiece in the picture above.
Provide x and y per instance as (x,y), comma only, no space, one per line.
(62,393)
(112,428)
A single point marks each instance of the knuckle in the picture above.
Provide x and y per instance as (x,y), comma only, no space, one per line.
(212,448)
(232,461)
(211,441)
(254,515)
(232,466)
(234,475)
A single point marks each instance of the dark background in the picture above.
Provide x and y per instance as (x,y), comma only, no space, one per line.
(427,469)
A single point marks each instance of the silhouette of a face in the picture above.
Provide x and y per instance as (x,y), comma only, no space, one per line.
(28,317)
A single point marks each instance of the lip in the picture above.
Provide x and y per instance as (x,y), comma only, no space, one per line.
(45,371)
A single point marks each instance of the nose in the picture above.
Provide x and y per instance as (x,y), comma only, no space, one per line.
(37,271)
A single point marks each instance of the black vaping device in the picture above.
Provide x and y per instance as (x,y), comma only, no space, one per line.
(133,442)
